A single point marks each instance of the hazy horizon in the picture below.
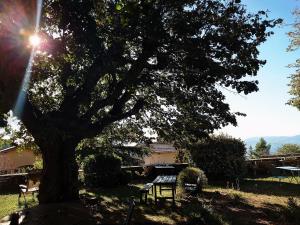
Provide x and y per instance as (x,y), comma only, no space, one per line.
(267,111)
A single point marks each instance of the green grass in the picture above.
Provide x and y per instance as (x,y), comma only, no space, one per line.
(258,200)
(113,207)
(9,204)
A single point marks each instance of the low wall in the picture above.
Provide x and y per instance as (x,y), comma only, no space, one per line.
(10,182)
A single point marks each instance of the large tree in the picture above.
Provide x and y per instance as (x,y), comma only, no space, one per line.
(294,45)
(162,63)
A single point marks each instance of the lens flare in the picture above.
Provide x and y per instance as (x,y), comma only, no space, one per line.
(34,40)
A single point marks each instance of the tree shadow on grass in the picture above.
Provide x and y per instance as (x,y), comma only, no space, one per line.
(239,211)
(281,189)
(112,209)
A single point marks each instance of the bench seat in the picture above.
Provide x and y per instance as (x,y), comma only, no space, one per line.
(145,190)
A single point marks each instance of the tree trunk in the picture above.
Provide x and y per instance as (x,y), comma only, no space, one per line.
(59,182)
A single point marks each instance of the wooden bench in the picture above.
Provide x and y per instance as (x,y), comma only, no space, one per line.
(145,190)
(23,189)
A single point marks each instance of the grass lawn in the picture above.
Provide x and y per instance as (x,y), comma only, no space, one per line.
(259,201)
(9,203)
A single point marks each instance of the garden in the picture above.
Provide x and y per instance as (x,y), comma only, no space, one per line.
(106,190)
(259,201)
(88,86)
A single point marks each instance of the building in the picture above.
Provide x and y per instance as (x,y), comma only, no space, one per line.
(11,158)
(161,154)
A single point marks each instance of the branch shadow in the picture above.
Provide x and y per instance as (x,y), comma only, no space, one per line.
(276,188)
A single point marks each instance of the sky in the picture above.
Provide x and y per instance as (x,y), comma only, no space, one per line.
(267,111)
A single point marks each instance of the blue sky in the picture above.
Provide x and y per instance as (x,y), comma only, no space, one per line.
(267,112)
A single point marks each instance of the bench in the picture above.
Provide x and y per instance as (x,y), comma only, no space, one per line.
(23,189)
(91,202)
(192,188)
(145,190)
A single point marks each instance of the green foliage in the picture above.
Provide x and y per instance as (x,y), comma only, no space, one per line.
(288,149)
(38,163)
(295,78)
(109,60)
(261,149)
(183,156)
(202,213)
(125,177)
(16,134)
(190,175)
(220,157)
(102,170)
(114,140)
(4,143)
(292,211)
(161,63)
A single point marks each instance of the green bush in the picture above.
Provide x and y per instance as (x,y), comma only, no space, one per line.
(38,163)
(125,177)
(220,157)
(190,175)
(292,211)
(102,170)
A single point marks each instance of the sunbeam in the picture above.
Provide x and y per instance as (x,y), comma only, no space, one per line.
(34,41)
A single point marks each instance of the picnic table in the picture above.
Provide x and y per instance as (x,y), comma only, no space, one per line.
(293,170)
(168,181)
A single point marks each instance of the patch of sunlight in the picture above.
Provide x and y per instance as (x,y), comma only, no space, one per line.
(160,219)
(108,199)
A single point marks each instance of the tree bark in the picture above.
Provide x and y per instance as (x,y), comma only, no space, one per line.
(59,182)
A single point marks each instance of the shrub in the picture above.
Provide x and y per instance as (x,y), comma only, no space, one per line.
(190,175)
(125,177)
(220,157)
(102,170)
(201,213)
(292,211)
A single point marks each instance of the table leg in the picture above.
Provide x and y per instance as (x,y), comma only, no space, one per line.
(146,197)
(173,194)
(155,197)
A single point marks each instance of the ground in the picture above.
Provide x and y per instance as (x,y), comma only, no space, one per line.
(259,201)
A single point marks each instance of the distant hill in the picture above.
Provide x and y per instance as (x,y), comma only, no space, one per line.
(275,141)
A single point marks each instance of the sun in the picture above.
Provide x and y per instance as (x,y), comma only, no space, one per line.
(34,40)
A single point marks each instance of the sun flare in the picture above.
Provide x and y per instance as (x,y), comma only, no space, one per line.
(34,40)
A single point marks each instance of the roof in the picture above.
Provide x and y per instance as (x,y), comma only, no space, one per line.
(8,149)
(162,148)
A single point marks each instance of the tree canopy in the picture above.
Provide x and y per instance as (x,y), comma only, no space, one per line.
(288,149)
(261,149)
(162,64)
(295,78)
